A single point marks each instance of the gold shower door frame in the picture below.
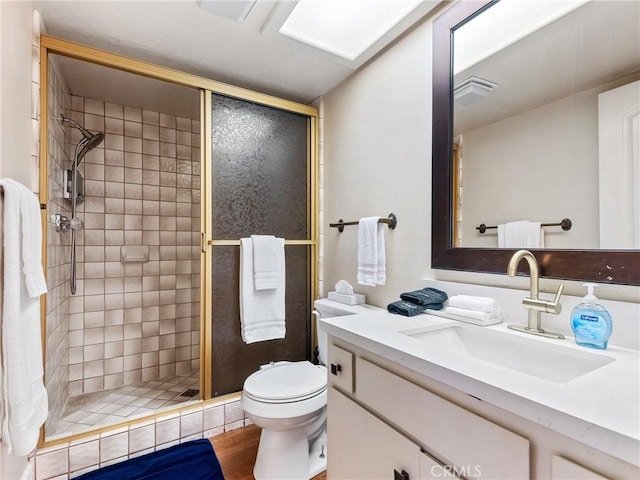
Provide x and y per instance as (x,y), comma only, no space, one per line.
(207,87)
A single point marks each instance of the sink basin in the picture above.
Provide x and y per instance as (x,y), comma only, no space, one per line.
(554,363)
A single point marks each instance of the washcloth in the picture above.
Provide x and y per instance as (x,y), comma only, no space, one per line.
(430,297)
(408,309)
(265,265)
(262,312)
(24,395)
(480,304)
(513,234)
(371,254)
(535,235)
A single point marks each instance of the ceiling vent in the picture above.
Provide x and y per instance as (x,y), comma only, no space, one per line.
(236,10)
(472,90)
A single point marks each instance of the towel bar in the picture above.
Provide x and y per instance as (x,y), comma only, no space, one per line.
(565,224)
(391,220)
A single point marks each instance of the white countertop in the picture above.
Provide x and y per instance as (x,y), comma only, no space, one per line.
(600,408)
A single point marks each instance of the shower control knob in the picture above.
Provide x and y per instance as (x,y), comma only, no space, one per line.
(336,368)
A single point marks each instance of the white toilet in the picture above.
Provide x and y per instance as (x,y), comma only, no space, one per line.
(288,401)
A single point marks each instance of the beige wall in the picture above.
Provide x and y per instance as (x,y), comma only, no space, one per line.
(15,127)
(377,151)
(377,159)
(551,149)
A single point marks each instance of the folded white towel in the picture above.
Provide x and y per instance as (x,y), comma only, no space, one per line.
(469,316)
(24,395)
(535,235)
(371,252)
(265,266)
(262,312)
(471,302)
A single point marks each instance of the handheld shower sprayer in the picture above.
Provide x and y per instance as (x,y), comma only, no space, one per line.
(88,142)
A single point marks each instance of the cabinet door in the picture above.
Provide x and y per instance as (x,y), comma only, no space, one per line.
(476,446)
(362,447)
(563,469)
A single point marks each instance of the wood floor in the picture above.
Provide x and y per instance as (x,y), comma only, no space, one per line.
(237,452)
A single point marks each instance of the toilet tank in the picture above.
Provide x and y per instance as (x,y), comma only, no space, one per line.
(325,308)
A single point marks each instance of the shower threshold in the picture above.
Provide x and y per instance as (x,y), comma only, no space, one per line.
(107,407)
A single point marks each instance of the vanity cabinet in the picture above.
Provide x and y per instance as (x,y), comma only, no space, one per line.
(367,448)
(392,428)
(386,421)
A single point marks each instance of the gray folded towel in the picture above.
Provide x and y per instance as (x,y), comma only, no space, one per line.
(407,309)
(432,298)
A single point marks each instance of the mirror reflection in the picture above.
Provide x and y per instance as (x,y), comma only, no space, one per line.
(547,125)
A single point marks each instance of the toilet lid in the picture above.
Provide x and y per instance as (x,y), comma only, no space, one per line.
(286,381)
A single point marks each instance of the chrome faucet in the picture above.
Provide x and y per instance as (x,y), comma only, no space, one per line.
(535,305)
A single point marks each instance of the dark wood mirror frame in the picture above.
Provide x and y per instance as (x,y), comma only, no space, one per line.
(602,266)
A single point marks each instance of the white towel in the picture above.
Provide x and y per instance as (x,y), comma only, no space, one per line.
(535,235)
(479,304)
(24,395)
(262,312)
(371,254)
(265,265)
(473,314)
(513,235)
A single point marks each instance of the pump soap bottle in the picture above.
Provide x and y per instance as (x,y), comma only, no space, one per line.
(591,322)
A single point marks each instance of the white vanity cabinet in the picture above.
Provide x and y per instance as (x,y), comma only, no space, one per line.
(366,448)
(386,421)
(393,429)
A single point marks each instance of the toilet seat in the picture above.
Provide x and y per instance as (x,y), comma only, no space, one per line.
(286,382)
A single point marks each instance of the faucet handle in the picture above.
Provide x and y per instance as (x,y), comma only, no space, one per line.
(547,306)
(555,306)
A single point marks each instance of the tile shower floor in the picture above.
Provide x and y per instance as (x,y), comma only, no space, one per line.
(126,402)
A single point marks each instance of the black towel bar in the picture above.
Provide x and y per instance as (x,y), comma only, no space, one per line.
(565,224)
(391,220)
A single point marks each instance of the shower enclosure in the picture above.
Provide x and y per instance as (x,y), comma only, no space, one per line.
(176,169)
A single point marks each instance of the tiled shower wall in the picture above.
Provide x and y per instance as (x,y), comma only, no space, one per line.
(136,321)
(57,319)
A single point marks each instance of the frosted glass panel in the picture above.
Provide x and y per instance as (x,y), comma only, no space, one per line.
(260,165)
(233,360)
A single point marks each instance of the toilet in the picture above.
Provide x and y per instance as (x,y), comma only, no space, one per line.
(288,400)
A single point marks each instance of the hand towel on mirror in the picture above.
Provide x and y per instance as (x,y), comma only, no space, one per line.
(513,234)
(535,235)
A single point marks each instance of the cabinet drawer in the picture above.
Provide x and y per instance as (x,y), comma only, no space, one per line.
(362,447)
(458,437)
(340,368)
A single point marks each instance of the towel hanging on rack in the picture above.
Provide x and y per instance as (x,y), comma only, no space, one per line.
(24,395)
(371,254)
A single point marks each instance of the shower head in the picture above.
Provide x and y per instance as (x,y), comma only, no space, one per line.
(88,142)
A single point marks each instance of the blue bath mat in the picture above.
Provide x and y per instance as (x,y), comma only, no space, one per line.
(193,460)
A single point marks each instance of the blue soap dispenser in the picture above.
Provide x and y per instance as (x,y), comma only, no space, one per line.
(591,322)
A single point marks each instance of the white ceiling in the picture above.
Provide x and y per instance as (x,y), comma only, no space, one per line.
(593,45)
(180,35)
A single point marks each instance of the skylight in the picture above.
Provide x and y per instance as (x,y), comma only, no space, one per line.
(346,28)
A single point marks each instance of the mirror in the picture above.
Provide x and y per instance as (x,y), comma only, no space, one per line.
(557,180)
